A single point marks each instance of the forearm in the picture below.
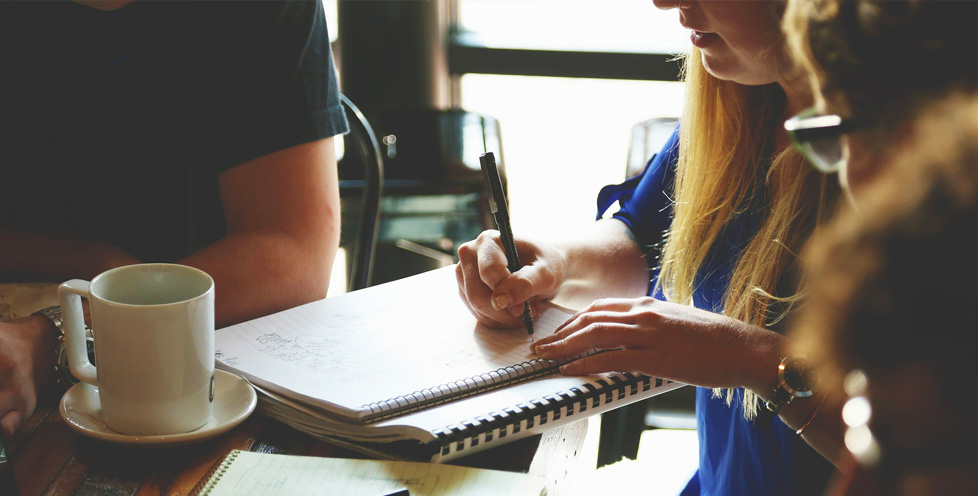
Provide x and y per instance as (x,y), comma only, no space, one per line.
(37,257)
(258,273)
(819,417)
(605,261)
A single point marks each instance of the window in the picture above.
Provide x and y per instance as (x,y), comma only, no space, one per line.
(329,6)
(634,26)
(565,137)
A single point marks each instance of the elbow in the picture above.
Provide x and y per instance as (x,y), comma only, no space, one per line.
(316,290)
(321,255)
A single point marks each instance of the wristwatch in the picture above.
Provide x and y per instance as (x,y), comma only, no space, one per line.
(796,379)
(62,371)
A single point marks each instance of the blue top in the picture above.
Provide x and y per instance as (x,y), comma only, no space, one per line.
(737,457)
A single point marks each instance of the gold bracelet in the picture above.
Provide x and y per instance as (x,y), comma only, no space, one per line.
(814,414)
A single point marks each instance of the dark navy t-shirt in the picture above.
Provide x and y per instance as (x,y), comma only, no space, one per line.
(737,457)
(115,125)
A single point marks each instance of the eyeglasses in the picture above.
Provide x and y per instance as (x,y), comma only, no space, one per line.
(820,138)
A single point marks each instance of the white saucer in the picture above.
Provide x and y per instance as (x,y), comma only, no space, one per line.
(234,400)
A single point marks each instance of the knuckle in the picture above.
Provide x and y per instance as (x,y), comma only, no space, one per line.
(597,304)
(603,304)
(487,237)
(592,319)
(468,253)
(590,329)
(651,316)
(597,327)
(585,319)
(560,344)
(519,285)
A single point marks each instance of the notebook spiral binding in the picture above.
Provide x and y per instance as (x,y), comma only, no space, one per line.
(215,475)
(524,416)
(419,400)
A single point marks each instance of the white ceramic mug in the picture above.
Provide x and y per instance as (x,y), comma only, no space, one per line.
(153,326)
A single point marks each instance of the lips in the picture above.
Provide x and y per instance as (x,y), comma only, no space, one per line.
(701,39)
(698,37)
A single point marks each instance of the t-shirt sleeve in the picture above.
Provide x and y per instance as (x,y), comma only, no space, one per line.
(645,200)
(277,85)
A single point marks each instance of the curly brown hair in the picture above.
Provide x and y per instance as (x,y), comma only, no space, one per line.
(884,59)
(895,281)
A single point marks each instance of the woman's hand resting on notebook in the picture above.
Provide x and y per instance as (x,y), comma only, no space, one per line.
(666,340)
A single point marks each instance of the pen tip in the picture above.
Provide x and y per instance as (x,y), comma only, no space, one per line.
(528,318)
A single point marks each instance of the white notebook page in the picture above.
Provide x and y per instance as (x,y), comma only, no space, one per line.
(375,344)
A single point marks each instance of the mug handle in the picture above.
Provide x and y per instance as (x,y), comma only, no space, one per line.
(70,294)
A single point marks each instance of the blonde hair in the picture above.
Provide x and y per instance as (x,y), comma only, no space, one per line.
(728,166)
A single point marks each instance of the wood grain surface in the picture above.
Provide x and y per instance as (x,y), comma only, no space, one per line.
(49,458)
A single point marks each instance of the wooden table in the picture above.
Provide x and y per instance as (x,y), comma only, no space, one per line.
(49,458)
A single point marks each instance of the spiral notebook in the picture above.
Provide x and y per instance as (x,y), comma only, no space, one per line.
(245,473)
(403,370)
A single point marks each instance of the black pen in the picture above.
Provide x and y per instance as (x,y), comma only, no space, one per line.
(500,212)
(399,492)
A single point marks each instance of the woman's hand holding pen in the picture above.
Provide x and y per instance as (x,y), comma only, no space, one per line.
(493,294)
(667,340)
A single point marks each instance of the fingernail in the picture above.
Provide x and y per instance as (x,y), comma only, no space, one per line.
(500,302)
(516,311)
(565,369)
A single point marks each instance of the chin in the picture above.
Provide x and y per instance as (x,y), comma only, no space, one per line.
(728,70)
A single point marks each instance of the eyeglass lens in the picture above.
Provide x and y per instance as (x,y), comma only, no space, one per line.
(827,154)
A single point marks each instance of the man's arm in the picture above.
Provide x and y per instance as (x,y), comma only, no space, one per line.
(283,228)
(41,257)
(283,222)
